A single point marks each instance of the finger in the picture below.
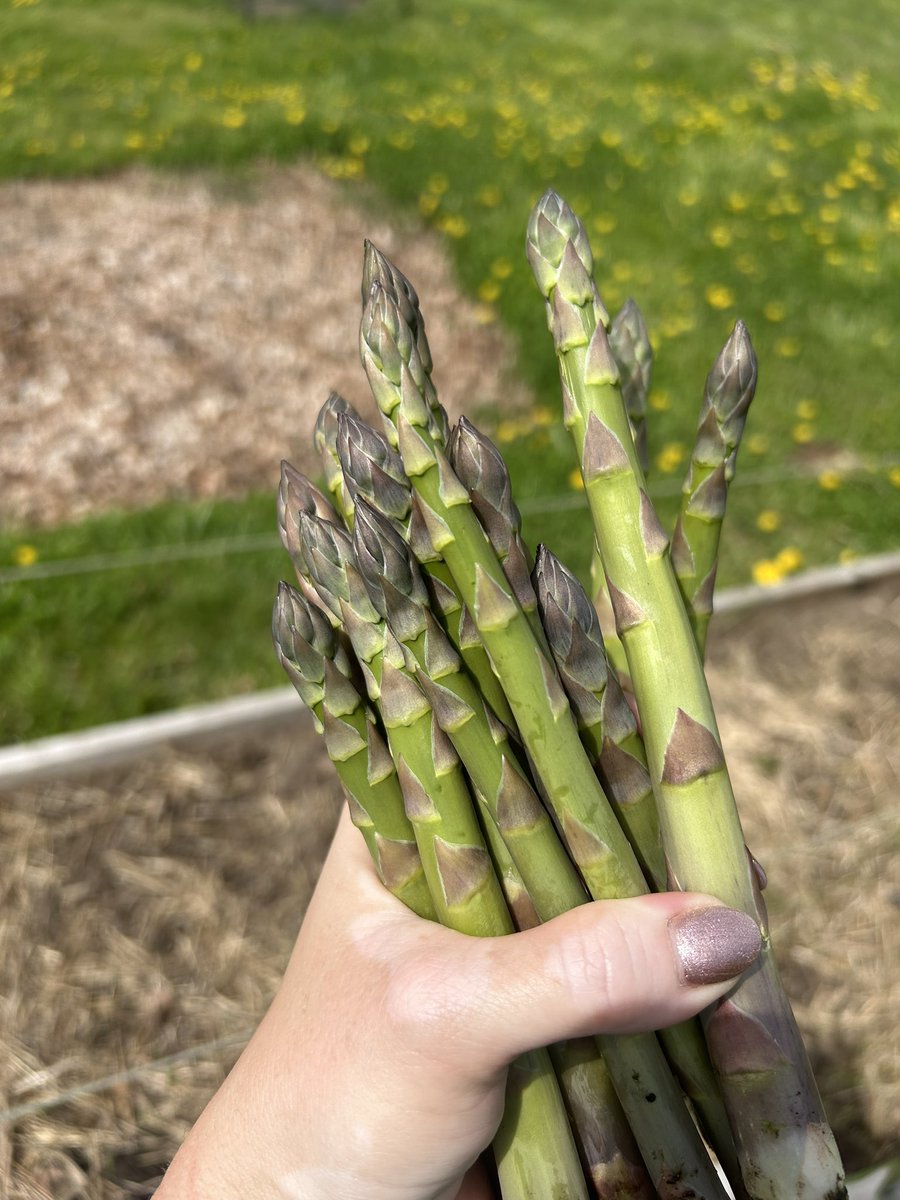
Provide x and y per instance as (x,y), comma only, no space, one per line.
(617,966)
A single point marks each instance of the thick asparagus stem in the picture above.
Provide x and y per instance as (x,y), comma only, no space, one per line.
(542,712)
(784,1142)
(319,669)
(730,387)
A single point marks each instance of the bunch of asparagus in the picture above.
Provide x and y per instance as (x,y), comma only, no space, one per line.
(478,719)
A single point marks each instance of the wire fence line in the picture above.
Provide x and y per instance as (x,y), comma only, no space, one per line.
(255,543)
(34,1108)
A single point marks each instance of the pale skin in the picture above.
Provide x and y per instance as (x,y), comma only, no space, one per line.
(378,1072)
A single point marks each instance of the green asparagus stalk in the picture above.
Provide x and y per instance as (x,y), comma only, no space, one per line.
(373,470)
(542,712)
(730,387)
(606,723)
(630,345)
(325,439)
(298,494)
(480,467)
(320,670)
(784,1142)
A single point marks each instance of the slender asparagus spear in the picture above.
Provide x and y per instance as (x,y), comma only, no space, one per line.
(630,345)
(542,712)
(480,467)
(605,721)
(317,665)
(730,387)
(298,494)
(373,470)
(784,1141)
(325,439)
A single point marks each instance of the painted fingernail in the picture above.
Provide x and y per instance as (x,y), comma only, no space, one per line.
(713,944)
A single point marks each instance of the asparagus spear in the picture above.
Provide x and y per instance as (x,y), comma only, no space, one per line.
(605,721)
(542,712)
(298,494)
(730,387)
(630,345)
(319,668)
(373,470)
(325,438)
(784,1142)
(480,467)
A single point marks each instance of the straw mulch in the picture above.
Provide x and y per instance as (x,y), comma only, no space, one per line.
(149,910)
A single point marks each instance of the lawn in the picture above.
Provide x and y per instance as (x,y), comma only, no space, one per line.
(728,161)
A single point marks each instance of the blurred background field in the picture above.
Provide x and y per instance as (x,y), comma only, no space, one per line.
(728,161)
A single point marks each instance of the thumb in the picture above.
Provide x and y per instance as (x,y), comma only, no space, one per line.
(614,966)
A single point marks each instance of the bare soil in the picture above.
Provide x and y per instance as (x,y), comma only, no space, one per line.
(164,337)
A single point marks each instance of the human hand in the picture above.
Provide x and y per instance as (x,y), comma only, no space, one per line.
(379,1071)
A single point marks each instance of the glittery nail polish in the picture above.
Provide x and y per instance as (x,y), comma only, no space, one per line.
(713,944)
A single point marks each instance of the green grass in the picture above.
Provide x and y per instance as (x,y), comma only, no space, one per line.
(728,160)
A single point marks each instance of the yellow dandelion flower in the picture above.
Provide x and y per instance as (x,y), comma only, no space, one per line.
(777,233)
(720,235)
(719,296)
(830,481)
(135,140)
(807,410)
(542,415)
(622,272)
(453,225)
(670,457)
(783,144)
(778,169)
(845,181)
(768,520)
(757,443)
(485,314)
(359,144)
(893,215)
(501,268)
(766,573)
(774,311)
(401,140)
(576,483)
(193,61)
(802,433)
(660,400)
(25,555)
(77,141)
(428,204)
(489,290)
(737,202)
(688,196)
(835,258)
(787,347)
(789,559)
(738,104)
(881,338)
(829,214)
(604,222)
(437,184)
(847,555)
(894,476)
(490,196)
(643,62)
(234,118)
(611,138)
(295,115)
(509,429)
